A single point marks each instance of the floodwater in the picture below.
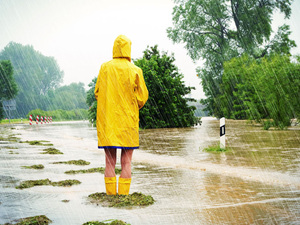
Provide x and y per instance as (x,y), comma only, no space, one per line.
(256,182)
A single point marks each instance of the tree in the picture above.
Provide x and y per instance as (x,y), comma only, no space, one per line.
(91,101)
(67,97)
(218,30)
(8,86)
(267,87)
(167,105)
(35,75)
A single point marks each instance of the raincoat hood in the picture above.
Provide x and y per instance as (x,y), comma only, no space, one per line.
(122,47)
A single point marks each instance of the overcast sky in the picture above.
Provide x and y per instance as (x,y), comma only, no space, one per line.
(79,34)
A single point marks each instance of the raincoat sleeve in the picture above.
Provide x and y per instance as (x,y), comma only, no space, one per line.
(141,91)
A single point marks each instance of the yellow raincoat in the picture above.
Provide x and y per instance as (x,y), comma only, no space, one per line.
(120,92)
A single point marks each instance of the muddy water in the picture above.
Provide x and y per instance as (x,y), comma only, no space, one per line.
(257,182)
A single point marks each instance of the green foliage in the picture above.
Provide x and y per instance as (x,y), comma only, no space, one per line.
(60,115)
(90,97)
(218,30)
(107,222)
(263,88)
(216,148)
(37,143)
(92,170)
(166,106)
(34,220)
(35,75)
(267,124)
(37,167)
(65,183)
(134,199)
(8,85)
(67,97)
(51,151)
(91,101)
(74,162)
(1,111)
(38,78)
(32,183)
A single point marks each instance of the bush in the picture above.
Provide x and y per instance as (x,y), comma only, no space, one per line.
(267,124)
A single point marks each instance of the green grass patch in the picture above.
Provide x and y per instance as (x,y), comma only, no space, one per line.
(37,143)
(216,148)
(37,167)
(12,152)
(10,147)
(10,138)
(32,183)
(52,151)
(65,183)
(106,222)
(79,162)
(14,121)
(34,220)
(134,199)
(92,170)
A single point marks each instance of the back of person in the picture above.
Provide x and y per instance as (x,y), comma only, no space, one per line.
(120,92)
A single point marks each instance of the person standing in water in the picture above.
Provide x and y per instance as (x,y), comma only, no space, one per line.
(120,92)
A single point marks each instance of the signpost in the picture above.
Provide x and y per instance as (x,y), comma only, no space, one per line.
(9,105)
(222,132)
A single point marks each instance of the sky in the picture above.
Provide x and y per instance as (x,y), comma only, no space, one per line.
(79,34)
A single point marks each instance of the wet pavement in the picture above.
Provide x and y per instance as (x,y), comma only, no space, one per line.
(256,182)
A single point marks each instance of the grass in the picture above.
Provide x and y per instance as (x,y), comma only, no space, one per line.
(107,222)
(10,138)
(37,167)
(215,148)
(32,183)
(92,170)
(79,162)
(65,183)
(12,152)
(134,199)
(13,121)
(10,147)
(37,143)
(52,151)
(34,220)
(6,136)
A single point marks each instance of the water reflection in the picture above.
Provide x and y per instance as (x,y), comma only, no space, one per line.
(257,182)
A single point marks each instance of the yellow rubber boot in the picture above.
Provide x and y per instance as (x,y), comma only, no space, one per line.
(124,186)
(111,185)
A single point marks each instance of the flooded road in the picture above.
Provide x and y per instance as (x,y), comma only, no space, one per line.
(256,182)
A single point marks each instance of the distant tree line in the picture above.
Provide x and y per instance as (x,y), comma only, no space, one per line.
(241,77)
(38,80)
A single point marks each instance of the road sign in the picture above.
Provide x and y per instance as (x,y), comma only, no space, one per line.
(9,104)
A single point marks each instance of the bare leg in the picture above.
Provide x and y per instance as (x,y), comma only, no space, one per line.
(110,162)
(126,156)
